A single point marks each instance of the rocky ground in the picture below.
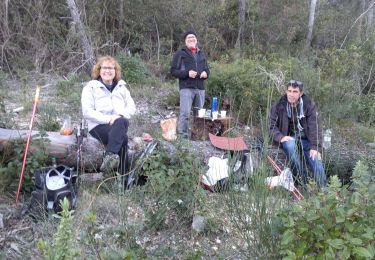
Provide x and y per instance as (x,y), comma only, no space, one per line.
(19,234)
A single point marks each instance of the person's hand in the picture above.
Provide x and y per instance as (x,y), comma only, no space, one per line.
(286,139)
(113,119)
(203,75)
(192,74)
(315,154)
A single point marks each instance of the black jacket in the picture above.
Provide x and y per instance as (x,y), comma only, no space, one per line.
(279,122)
(183,61)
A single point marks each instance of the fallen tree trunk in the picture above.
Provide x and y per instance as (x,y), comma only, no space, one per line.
(63,147)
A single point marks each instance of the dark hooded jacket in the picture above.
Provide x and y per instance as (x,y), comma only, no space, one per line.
(279,122)
(183,61)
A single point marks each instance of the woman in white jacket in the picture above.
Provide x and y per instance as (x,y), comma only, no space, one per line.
(107,107)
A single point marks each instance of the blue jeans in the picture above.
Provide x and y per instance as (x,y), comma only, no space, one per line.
(188,97)
(291,150)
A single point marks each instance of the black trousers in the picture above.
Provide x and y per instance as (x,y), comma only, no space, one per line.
(115,137)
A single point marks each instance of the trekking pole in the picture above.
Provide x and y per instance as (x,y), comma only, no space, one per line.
(28,142)
(79,147)
(295,191)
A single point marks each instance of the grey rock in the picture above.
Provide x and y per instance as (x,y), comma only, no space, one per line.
(199,223)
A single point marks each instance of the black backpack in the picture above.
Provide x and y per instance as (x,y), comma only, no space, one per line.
(53,184)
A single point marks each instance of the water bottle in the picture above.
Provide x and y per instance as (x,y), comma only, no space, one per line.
(214,105)
(54,164)
(327,137)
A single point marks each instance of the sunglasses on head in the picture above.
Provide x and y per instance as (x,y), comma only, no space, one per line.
(295,83)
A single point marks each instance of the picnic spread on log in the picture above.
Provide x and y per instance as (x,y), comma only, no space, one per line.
(207,121)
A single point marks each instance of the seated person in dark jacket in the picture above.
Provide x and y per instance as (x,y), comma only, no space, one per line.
(292,120)
(189,65)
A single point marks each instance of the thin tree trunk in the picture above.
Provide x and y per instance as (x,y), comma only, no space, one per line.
(362,22)
(85,40)
(171,49)
(370,20)
(310,26)
(241,22)
(121,13)
(6,22)
(157,33)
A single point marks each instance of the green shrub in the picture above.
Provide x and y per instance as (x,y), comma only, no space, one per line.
(172,186)
(364,107)
(7,120)
(64,87)
(172,99)
(334,224)
(68,93)
(160,68)
(47,119)
(253,213)
(241,83)
(11,164)
(63,245)
(252,84)
(133,70)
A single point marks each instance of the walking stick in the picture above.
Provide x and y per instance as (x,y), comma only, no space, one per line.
(28,142)
(295,191)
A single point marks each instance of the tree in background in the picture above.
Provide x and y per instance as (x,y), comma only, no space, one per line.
(85,40)
(241,22)
(310,25)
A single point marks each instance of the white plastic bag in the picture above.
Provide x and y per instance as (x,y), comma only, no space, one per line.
(285,179)
(218,170)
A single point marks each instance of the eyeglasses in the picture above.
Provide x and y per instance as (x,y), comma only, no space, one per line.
(107,68)
(295,83)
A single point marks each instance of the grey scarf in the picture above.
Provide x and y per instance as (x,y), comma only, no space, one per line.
(300,113)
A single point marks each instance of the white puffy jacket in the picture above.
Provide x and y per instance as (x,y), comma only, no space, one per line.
(99,104)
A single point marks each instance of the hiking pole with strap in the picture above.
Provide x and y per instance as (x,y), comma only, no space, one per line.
(28,142)
(79,135)
(297,194)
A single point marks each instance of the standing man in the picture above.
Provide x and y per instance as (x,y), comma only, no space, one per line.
(294,120)
(190,66)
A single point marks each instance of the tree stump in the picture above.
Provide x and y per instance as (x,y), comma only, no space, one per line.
(201,126)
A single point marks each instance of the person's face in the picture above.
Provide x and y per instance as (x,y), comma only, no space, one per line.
(107,72)
(191,41)
(293,94)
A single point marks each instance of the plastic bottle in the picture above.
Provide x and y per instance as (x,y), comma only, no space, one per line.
(54,164)
(327,139)
(214,105)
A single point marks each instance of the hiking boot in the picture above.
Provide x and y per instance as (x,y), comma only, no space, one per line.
(110,161)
